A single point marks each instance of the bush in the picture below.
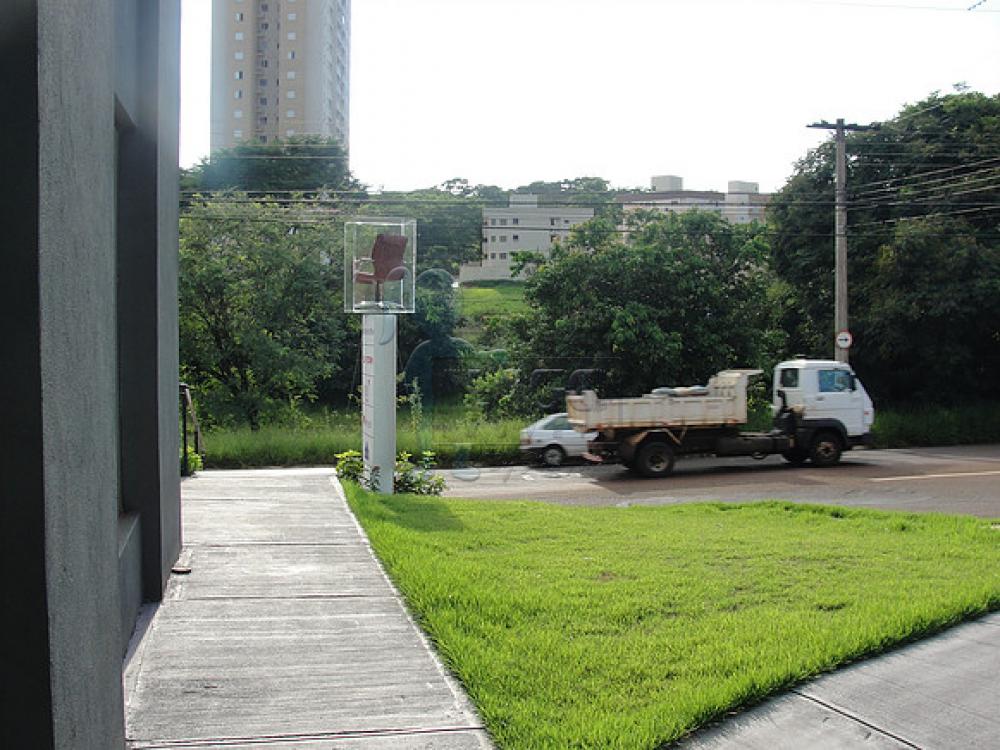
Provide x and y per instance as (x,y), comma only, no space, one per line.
(194,462)
(408,478)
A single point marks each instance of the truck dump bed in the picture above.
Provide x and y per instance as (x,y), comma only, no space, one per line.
(722,403)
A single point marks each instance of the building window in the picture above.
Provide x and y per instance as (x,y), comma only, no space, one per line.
(262,138)
(263,63)
(239,16)
(290,75)
(239,36)
(291,55)
(238,75)
(503,222)
(262,82)
(237,55)
(493,222)
(290,94)
(493,256)
(237,134)
(515,221)
(292,16)
(503,256)
(237,114)
(290,113)
(553,222)
(238,94)
(289,132)
(515,238)
(493,238)
(291,36)
(503,237)
(262,101)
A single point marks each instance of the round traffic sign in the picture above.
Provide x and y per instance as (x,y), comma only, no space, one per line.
(844,339)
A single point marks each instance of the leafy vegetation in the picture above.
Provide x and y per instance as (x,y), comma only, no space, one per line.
(628,627)
(924,250)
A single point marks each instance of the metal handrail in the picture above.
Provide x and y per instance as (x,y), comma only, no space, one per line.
(187,407)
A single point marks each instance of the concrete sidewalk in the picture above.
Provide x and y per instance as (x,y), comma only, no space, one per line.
(942,693)
(286,633)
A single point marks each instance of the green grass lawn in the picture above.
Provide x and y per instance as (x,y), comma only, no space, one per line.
(494,298)
(628,627)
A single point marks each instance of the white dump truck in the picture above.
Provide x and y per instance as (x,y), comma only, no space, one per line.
(820,409)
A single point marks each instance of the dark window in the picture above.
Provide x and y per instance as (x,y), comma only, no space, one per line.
(790,378)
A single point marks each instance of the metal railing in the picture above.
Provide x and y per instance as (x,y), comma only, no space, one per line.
(187,409)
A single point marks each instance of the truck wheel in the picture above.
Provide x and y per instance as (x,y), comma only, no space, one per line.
(553,456)
(825,449)
(655,459)
(795,456)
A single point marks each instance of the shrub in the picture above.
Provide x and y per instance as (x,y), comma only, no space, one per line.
(194,462)
(408,478)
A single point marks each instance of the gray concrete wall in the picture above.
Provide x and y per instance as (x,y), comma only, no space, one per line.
(83,317)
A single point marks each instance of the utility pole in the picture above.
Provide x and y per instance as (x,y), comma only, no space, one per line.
(841,331)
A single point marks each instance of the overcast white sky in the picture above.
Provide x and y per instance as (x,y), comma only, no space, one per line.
(506,92)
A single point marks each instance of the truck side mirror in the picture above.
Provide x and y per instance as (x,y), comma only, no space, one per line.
(854,382)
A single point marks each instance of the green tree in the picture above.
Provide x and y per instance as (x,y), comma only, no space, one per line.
(261,305)
(924,195)
(677,299)
(298,164)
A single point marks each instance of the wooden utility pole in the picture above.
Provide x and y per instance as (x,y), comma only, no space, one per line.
(840,238)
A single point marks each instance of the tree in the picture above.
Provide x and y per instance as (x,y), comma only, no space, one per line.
(924,191)
(261,305)
(679,298)
(298,164)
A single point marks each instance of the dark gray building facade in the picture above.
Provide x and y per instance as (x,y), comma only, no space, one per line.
(90,523)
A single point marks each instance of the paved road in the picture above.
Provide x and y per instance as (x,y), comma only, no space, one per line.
(949,480)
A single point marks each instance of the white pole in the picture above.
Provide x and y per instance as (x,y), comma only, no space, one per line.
(378,395)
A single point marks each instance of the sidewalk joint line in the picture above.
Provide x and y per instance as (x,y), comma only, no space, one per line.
(852,717)
(271,739)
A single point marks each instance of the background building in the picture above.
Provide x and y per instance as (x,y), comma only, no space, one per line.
(740,204)
(90,513)
(280,68)
(522,225)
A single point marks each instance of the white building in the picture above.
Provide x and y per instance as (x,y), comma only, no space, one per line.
(740,204)
(280,68)
(522,225)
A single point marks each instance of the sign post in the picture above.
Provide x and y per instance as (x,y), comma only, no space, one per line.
(379,283)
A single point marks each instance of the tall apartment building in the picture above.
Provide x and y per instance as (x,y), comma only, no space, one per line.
(280,68)
(522,225)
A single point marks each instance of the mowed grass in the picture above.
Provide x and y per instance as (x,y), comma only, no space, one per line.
(628,627)
(492,298)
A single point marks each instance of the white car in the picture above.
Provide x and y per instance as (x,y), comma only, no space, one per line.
(552,439)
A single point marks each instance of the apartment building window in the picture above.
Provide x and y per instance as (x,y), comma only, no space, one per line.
(237,134)
(290,75)
(515,238)
(264,25)
(262,138)
(239,36)
(237,114)
(290,113)
(503,237)
(503,256)
(289,132)
(292,16)
(238,94)
(262,101)
(291,55)
(290,94)
(262,82)
(515,221)
(493,238)
(493,256)
(238,75)
(237,55)
(239,16)
(503,222)
(291,36)
(493,222)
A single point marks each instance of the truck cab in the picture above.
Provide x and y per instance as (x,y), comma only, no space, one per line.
(827,401)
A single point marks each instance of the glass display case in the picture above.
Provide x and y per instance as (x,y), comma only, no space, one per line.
(380,263)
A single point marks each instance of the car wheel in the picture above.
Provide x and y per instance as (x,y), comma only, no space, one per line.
(654,459)
(553,456)
(825,449)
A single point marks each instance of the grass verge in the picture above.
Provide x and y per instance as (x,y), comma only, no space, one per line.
(629,627)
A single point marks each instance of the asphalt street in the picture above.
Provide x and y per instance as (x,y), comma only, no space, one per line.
(955,479)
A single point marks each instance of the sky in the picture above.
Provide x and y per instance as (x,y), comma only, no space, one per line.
(506,92)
